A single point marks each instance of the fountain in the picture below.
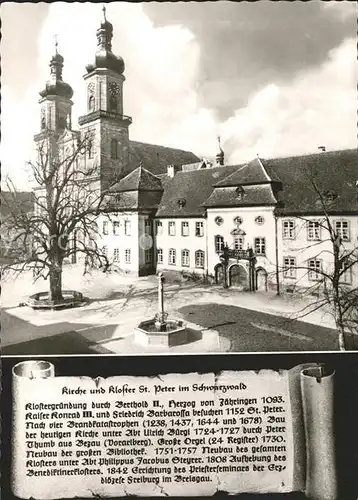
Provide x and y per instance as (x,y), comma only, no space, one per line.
(161,331)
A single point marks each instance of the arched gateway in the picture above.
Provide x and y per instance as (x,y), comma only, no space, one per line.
(239,277)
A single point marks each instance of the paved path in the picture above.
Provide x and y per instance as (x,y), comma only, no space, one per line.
(249,321)
(252,331)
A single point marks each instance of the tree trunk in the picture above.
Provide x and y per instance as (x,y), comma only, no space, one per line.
(341,338)
(56,284)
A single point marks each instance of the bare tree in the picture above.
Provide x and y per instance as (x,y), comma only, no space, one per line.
(66,203)
(333,270)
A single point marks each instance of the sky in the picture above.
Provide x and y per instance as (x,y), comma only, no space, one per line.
(273,79)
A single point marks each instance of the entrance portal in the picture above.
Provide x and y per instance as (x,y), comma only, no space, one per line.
(261,280)
(238,277)
(219,274)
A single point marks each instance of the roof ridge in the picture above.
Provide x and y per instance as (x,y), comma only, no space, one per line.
(304,155)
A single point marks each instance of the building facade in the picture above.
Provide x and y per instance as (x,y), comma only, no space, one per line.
(255,226)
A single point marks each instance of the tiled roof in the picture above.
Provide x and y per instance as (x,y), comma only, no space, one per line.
(138,180)
(157,158)
(133,200)
(256,195)
(194,187)
(336,172)
(188,193)
(251,173)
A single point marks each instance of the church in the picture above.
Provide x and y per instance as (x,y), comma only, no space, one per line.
(255,226)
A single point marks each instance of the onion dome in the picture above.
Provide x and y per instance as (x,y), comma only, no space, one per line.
(104,55)
(56,86)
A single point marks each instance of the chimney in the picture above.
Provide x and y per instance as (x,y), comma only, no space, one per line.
(172,170)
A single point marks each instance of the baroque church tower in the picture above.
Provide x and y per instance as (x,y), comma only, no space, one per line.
(105,119)
(55,103)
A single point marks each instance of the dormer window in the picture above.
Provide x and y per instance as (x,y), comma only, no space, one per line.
(181,202)
(240,193)
(329,196)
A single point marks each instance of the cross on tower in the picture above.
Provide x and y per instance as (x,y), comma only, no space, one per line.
(56,42)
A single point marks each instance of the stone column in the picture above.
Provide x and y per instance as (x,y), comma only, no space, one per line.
(161,313)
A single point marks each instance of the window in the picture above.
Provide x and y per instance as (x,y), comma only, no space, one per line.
(90,150)
(127,255)
(148,256)
(219,243)
(158,228)
(288,229)
(342,229)
(105,250)
(314,268)
(105,227)
(171,228)
(199,229)
(115,227)
(219,221)
(238,242)
(238,220)
(199,259)
(160,256)
(147,227)
(114,149)
(172,257)
(91,103)
(185,228)
(43,119)
(116,255)
(259,220)
(113,103)
(260,246)
(127,227)
(346,276)
(313,230)
(289,267)
(185,258)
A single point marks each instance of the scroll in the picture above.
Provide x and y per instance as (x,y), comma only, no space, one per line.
(172,435)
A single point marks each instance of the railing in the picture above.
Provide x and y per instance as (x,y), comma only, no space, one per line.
(102,113)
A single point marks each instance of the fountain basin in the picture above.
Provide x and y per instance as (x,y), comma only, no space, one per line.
(172,333)
(70,298)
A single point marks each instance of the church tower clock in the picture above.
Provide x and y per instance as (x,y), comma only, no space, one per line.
(105,119)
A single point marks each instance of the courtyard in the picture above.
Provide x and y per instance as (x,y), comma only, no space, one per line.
(245,322)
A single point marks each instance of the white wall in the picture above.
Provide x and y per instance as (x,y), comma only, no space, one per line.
(179,243)
(304,249)
(121,241)
(251,228)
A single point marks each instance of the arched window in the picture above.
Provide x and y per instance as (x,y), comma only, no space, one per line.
(91,103)
(90,150)
(43,119)
(114,149)
(113,103)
